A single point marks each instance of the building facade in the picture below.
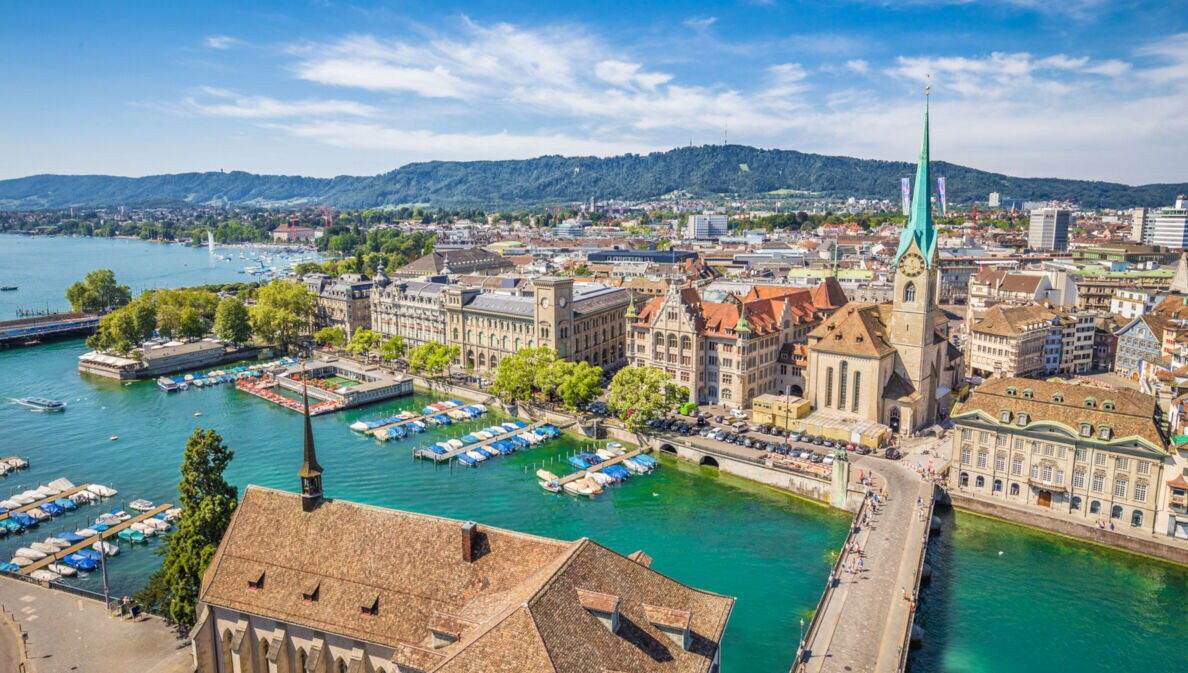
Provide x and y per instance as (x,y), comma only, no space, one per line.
(1009,341)
(706,227)
(1049,229)
(343,302)
(1072,451)
(1171,225)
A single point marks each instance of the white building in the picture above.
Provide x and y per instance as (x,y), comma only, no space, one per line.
(995,200)
(1131,302)
(706,227)
(1171,225)
(1049,229)
(1142,226)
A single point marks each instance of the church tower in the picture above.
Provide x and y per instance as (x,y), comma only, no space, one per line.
(913,310)
(311,472)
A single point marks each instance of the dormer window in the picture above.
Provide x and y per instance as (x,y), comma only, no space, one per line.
(1011,391)
(1086,430)
(1057,397)
(370,610)
(1027,393)
(1107,405)
(256,584)
(310,593)
(1105,432)
(1090,403)
(1022,418)
(1005,416)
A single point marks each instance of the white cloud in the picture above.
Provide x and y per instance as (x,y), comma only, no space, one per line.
(858,65)
(629,75)
(700,24)
(221,103)
(221,42)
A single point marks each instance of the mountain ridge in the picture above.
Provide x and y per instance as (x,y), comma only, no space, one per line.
(707,170)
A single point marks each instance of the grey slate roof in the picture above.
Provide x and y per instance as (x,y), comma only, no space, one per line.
(502,303)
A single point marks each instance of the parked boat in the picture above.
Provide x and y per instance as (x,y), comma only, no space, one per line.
(130,535)
(548,481)
(80,561)
(21,561)
(45,575)
(476,456)
(33,554)
(42,404)
(106,548)
(168,385)
(141,505)
(62,569)
(465,459)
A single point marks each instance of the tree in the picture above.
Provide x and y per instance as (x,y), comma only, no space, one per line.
(432,357)
(639,394)
(583,383)
(549,376)
(363,342)
(98,292)
(208,503)
(516,374)
(394,348)
(330,336)
(282,312)
(232,323)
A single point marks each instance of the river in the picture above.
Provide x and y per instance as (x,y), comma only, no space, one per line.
(1044,604)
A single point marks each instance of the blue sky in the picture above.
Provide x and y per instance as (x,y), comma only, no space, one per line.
(1079,88)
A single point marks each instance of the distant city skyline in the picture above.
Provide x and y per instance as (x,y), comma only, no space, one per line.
(1080,89)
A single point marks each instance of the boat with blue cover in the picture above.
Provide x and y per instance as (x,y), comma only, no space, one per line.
(616,472)
(9,567)
(66,504)
(23,519)
(72,538)
(51,508)
(485,451)
(466,459)
(80,561)
(397,432)
(11,526)
(415,426)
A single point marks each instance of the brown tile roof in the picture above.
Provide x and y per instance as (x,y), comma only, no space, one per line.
(1131,417)
(859,329)
(1010,321)
(593,600)
(673,619)
(518,607)
(829,295)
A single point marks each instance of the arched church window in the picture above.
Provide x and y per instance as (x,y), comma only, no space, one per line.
(909,292)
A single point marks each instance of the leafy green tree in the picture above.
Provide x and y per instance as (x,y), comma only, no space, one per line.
(98,292)
(393,348)
(232,323)
(208,503)
(282,312)
(549,376)
(364,341)
(432,357)
(515,376)
(333,336)
(582,384)
(639,394)
(125,328)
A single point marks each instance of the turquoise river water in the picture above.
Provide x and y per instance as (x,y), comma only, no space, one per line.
(1044,604)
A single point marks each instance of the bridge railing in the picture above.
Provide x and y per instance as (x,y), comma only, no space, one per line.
(834,572)
(911,620)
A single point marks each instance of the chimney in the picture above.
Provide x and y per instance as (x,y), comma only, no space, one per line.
(603,606)
(469,538)
(672,623)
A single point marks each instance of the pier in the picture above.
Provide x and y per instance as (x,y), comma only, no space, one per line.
(449,455)
(381,431)
(864,621)
(581,474)
(54,326)
(104,535)
(49,498)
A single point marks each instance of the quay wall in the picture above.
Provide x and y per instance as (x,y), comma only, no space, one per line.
(803,485)
(1147,547)
(144,372)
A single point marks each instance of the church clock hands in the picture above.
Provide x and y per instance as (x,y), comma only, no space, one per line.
(911,265)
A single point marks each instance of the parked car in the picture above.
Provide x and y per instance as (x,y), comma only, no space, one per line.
(892,454)
(719,419)
(862,450)
(817,441)
(741,415)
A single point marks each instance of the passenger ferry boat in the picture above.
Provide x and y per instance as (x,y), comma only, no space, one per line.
(169,385)
(42,404)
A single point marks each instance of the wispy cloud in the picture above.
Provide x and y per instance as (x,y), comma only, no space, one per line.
(221,42)
(222,103)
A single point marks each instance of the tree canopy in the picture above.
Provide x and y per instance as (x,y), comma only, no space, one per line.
(639,394)
(208,503)
(232,323)
(282,312)
(432,357)
(364,342)
(98,292)
(330,336)
(516,375)
(393,348)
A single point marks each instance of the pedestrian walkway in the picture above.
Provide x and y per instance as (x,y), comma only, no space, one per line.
(72,634)
(865,620)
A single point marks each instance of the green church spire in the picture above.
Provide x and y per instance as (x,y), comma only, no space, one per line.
(919,227)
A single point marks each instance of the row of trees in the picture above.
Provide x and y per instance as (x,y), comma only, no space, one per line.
(538,371)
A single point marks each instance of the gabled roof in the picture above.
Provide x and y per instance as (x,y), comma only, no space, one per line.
(1011,321)
(829,295)
(858,329)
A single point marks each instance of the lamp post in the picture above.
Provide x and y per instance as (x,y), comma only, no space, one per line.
(802,634)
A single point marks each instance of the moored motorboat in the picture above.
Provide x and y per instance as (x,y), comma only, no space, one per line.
(45,575)
(33,554)
(548,481)
(106,548)
(62,569)
(141,505)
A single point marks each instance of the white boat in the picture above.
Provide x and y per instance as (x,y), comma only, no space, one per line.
(44,548)
(360,426)
(141,505)
(482,435)
(86,532)
(476,455)
(106,548)
(107,519)
(142,527)
(634,466)
(47,490)
(25,552)
(83,496)
(602,479)
(62,484)
(615,445)
(45,575)
(455,443)
(62,569)
(173,513)
(21,561)
(579,487)
(57,542)
(42,404)
(101,490)
(604,454)
(9,504)
(24,499)
(156,524)
(548,481)
(38,514)
(17,463)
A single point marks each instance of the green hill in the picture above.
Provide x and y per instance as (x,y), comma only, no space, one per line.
(707,170)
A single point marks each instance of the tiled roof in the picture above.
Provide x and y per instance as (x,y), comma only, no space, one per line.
(518,607)
(859,329)
(1131,416)
(502,303)
(829,294)
(1010,321)
(719,318)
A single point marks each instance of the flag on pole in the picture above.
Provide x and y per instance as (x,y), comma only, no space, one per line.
(940,189)
(906,186)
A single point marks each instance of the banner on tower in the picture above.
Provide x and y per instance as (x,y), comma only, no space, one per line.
(906,187)
(940,189)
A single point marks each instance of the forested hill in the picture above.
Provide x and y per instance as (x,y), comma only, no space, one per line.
(701,171)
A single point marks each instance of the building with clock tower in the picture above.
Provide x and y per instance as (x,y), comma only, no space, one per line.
(891,363)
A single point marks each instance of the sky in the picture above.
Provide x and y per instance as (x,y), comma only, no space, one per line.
(1091,89)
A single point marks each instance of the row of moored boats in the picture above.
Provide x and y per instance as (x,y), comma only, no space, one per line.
(206,379)
(476,447)
(12,465)
(401,425)
(595,478)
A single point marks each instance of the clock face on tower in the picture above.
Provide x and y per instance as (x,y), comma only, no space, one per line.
(911,265)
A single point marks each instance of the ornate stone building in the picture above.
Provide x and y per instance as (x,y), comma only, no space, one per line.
(343,302)
(891,363)
(304,584)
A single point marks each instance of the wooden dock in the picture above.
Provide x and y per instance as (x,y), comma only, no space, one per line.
(449,455)
(381,432)
(106,535)
(581,474)
(49,498)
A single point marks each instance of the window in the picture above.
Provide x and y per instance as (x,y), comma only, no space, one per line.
(857,390)
(1122,463)
(1098,482)
(1079,455)
(1078,479)
(909,293)
(1116,512)
(982,459)
(980,482)
(1049,450)
(1076,502)
(1090,403)
(1034,471)
(1005,416)
(1058,397)
(829,386)
(1000,462)
(841,392)
(1017,466)
(1143,466)
(1108,405)
(1099,459)
(965,455)
(256,584)
(1060,477)
(1028,393)
(1010,391)
(370,610)
(1014,489)
(1104,432)
(1095,507)
(966,433)
(983,437)
(1022,420)
(310,594)
(964,479)
(1136,518)
(1140,491)
(1047,474)
(1000,441)
(1086,430)
(1119,487)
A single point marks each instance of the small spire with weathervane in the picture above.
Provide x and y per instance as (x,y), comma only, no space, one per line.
(311,472)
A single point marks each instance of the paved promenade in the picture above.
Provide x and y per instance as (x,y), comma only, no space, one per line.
(70,634)
(864,621)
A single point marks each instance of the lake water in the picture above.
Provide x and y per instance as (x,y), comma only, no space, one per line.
(1044,605)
